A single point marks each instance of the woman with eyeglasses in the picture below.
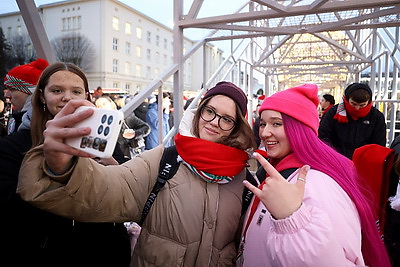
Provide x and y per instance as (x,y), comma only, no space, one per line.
(195,216)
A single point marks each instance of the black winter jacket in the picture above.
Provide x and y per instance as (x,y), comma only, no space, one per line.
(33,237)
(346,137)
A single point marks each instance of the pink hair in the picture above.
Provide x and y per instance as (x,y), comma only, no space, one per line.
(310,150)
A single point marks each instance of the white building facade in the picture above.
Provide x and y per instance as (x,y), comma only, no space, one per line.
(130,49)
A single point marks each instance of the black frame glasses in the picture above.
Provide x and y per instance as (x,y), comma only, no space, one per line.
(208,114)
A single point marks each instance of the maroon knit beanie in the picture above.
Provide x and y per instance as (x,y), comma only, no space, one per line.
(232,91)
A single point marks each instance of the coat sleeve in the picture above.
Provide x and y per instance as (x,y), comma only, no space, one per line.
(326,129)
(142,129)
(152,121)
(90,192)
(325,231)
(379,133)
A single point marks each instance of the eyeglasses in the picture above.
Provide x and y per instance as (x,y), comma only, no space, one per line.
(224,122)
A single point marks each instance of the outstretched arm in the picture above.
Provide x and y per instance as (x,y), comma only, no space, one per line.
(58,155)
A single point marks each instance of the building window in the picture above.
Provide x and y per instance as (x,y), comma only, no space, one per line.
(9,32)
(148,36)
(165,59)
(127,68)
(71,23)
(128,48)
(139,51)
(127,88)
(19,30)
(115,44)
(128,28)
(138,70)
(72,43)
(157,57)
(79,22)
(139,33)
(148,72)
(165,43)
(115,23)
(156,72)
(115,84)
(148,54)
(115,66)
(157,40)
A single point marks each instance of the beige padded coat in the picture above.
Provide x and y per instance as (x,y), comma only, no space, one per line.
(192,223)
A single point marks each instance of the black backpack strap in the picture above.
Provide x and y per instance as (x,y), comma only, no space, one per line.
(261,175)
(169,164)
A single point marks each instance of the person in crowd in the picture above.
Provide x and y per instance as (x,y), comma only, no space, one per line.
(141,110)
(318,215)
(392,225)
(21,82)
(187,103)
(97,93)
(105,102)
(196,214)
(256,124)
(34,237)
(131,138)
(327,101)
(3,114)
(354,122)
(152,120)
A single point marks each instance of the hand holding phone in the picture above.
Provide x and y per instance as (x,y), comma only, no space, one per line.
(105,127)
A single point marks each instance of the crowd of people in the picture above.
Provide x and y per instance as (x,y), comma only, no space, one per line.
(309,205)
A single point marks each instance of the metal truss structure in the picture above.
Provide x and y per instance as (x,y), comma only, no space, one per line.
(288,42)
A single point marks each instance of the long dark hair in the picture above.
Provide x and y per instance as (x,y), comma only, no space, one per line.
(40,112)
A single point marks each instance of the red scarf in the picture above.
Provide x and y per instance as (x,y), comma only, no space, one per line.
(288,162)
(345,108)
(211,157)
(326,109)
(355,114)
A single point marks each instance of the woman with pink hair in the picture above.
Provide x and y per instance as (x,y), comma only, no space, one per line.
(319,215)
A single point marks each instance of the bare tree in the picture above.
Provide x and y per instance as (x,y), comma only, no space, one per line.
(5,57)
(22,51)
(74,48)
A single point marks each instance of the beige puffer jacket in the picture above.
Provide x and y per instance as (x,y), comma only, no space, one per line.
(192,223)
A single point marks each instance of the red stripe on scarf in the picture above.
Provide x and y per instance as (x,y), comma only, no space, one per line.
(210,157)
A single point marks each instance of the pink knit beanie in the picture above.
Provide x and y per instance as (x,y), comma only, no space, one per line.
(298,102)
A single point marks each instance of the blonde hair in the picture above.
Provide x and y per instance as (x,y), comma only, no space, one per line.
(106,103)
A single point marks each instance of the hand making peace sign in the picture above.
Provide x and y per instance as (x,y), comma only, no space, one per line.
(280,197)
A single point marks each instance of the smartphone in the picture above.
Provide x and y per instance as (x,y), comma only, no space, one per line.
(105,128)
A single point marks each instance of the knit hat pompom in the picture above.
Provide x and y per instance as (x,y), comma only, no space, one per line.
(232,91)
(298,102)
(25,77)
